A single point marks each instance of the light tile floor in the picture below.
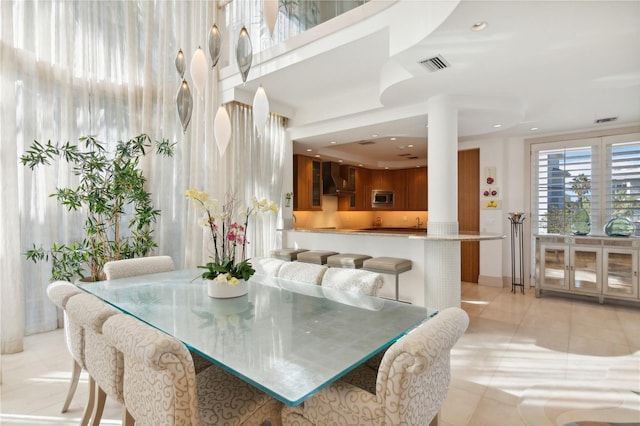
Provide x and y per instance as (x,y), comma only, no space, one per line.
(516,345)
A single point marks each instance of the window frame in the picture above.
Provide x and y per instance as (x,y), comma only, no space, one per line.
(601,194)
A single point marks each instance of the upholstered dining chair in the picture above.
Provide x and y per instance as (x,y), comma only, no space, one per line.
(353,280)
(267,265)
(410,385)
(126,268)
(303,272)
(60,292)
(138,266)
(161,387)
(102,361)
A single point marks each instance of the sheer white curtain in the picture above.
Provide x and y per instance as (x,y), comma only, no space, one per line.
(104,68)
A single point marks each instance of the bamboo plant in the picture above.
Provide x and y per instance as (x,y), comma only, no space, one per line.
(110,191)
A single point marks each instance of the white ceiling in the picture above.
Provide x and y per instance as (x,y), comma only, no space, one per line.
(554,65)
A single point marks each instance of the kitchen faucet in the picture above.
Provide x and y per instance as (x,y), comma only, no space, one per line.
(419,223)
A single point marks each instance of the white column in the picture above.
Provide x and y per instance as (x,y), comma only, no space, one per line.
(442,258)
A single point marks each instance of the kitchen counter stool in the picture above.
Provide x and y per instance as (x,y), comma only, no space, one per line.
(347,260)
(289,254)
(388,265)
(319,257)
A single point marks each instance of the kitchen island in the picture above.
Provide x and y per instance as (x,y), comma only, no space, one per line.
(407,243)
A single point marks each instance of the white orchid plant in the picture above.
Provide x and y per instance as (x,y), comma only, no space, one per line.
(229,263)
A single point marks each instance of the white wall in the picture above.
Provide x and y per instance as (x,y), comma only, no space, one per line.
(507,157)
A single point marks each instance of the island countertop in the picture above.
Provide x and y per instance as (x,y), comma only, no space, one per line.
(412,233)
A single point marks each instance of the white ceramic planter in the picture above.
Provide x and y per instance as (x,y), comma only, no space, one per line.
(224,291)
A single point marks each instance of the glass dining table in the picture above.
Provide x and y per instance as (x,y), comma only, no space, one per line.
(287,338)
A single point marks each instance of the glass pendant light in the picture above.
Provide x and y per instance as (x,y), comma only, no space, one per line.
(199,70)
(244,53)
(215,44)
(260,110)
(270,12)
(180,63)
(222,129)
(184,101)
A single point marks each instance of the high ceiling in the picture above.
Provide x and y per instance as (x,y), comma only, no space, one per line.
(551,65)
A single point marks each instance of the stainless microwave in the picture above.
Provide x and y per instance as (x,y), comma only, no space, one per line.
(381,199)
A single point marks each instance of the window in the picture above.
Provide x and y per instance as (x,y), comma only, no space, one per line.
(600,176)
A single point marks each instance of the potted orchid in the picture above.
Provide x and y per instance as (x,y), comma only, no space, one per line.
(229,268)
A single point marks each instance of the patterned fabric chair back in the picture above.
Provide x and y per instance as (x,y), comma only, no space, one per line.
(408,388)
(354,280)
(102,360)
(303,272)
(267,265)
(159,376)
(415,373)
(60,292)
(138,266)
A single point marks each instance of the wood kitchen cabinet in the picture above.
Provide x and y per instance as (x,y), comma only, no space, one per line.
(382,179)
(361,200)
(400,189)
(307,183)
(409,187)
(416,189)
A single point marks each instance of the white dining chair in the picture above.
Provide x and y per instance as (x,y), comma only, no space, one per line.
(102,361)
(161,387)
(303,272)
(267,265)
(408,389)
(138,266)
(353,280)
(59,292)
(126,268)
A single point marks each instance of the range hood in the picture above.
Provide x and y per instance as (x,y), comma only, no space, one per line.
(335,179)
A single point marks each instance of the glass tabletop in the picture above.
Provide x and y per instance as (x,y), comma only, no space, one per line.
(288,339)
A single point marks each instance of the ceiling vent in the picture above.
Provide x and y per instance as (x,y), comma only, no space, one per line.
(605,120)
(434,64)
(366,142)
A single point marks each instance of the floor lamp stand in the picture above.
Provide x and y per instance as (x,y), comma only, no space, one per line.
(517,245)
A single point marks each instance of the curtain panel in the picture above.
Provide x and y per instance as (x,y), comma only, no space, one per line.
(75,68)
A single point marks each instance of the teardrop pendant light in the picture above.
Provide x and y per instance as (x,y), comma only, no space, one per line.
(222,129)
(199,70)
(244,53)
(215,44)
(184,101)
(260,110)
(180,63)
(270,12)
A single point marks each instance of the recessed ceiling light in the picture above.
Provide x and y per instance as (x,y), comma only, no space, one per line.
(533,129)
(410,146)
(497,126)
(375,135)
(393,139)
(386,168)
(479,26)
(333,142)
(309,150)
(359,165)
(340,161)
(318,155)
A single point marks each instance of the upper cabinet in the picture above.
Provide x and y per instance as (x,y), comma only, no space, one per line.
(409,187)
(307,183)
(361,200)
(416,188)
(382,180)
